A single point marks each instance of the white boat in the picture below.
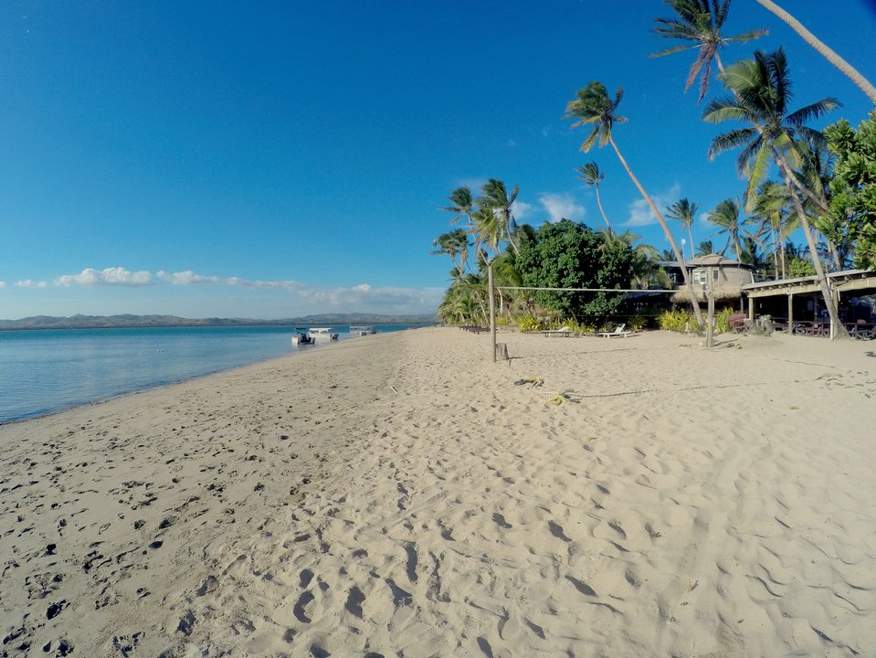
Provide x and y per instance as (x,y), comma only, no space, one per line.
(361,330)
(300,337)
(321,334)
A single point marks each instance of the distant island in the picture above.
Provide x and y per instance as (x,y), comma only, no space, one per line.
(110,321)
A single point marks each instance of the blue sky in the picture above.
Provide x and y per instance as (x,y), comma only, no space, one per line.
(221,159)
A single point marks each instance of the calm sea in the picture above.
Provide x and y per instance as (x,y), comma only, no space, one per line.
(47,370)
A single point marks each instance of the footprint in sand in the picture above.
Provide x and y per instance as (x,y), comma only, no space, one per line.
(557,531)
(501,522)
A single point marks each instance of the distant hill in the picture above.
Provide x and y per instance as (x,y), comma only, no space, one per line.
(108,321)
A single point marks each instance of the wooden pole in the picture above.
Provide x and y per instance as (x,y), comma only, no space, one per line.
(710,318)
(751,308)
(790,313)
(492,308)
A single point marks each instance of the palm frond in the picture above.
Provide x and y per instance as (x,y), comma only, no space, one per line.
(731,140)
(812,111)
(745,37)
(672,51)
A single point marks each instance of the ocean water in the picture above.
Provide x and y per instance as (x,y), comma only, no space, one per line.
(47,370)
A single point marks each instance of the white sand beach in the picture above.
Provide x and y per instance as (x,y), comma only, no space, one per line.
(399,495)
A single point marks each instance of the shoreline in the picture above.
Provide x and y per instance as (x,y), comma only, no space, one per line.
(647,497)
(161,384)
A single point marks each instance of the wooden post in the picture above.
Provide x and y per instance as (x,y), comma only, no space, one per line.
(751,308)
(492,308)
(710,319)
(790,313)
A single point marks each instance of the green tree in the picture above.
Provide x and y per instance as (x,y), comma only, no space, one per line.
(593,177)
(698,24)
(593,107)
(685,211)
(705,248)
(761,93)
(853,187)
(455,245)
(566,254)
(726,217)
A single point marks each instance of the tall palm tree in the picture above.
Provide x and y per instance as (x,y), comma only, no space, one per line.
(592,106)
(847,69)
(493,225)
(761,92)
(685,211)
(726,217)
(698,23)
(593,177)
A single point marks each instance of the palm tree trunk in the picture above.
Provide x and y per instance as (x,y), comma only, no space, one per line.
(829,300)
(853,74)
(492,308)
(690,237)
(737,248)
(695,304)
(601,209)
(776,254)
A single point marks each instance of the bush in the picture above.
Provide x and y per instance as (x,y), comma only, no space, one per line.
(637,323)
(528,323)
(676,320)
(722,320)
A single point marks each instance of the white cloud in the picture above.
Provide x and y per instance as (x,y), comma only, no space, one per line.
(521,209)
(640,212)
(561,206)
(366,296)
(30,283)
(110,276)
(2,284)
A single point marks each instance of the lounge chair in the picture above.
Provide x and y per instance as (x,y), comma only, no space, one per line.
(562,332)
(618,332)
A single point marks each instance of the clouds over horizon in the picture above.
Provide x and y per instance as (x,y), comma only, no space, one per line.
(640,213)
(362,295)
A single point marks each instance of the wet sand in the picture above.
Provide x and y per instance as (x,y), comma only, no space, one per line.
(413,499)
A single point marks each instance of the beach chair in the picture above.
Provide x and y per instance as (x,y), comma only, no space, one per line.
(562,332)
(618,332)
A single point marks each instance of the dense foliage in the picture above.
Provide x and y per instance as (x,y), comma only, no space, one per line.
(853,186)
(570,255)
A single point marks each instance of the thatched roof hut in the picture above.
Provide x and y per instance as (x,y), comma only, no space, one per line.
(725,276)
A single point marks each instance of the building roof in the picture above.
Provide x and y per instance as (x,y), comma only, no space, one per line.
(709,260)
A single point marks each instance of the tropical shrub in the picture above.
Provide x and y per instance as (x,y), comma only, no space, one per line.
(528,323)
(800,267)
(637,323)
(676,320)
(722,320)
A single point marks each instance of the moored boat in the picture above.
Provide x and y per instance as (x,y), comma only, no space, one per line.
(361,330)
(321,334)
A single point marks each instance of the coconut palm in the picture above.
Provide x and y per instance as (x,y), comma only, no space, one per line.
(496,197)
(462,204)
(698,23)
(726,217)
(592,106)
(772,209)
(685,211)
(455,245)
(761,93)
(847,69)
(593,177)
(705,248)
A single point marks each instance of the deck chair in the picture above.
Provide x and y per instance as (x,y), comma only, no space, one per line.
(618,332)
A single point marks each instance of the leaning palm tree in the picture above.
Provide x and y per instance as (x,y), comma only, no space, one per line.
(726,217)
(698,23)
(685,211)
(847,69)
(593,177)
(592,106)
(761,93)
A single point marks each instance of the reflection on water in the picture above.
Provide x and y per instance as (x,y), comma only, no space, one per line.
(46,370)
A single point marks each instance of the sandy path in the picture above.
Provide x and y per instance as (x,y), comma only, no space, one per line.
(678,503)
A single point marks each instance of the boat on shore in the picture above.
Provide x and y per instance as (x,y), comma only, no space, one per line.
(301,337)
(361,330)
(319,334)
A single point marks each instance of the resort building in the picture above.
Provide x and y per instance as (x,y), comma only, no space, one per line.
(724,276)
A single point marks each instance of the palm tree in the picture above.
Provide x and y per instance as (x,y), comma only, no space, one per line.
(496,197)
(698,23)
(771,207)
(685,212)
(593,177)
(726,217)
(592,106)
(705,248)
(847,69)
(455,245)
(761,91)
